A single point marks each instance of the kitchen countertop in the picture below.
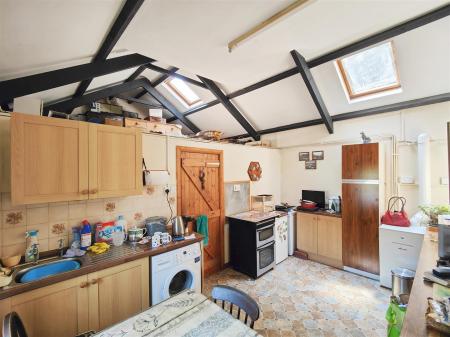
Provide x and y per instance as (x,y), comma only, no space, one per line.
(257,216)
(91,263)
(414,322)
(320,212)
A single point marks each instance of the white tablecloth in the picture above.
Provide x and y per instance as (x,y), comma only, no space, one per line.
(187,314)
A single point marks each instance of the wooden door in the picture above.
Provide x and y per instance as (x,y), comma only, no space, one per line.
(49,159)
(118,293)
(115,161)
(58,310)
(329,237)
(200,191)
(307,232)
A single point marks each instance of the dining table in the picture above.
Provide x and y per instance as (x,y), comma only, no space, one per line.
(187,314)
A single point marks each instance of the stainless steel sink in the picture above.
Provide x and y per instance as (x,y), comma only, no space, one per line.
(46,269)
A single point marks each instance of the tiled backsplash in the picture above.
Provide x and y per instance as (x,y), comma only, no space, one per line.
(55,220)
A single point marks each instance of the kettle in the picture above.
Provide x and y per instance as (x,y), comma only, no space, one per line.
(177,226)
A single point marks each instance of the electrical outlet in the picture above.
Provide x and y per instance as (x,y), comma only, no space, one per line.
(444,181)
(236,188)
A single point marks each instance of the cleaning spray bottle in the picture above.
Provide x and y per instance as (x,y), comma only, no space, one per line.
(32,251)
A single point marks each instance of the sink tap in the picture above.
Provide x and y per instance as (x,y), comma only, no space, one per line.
(61,247)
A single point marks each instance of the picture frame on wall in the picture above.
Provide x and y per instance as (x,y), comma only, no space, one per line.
(310,165)
(303,156)
(317,155)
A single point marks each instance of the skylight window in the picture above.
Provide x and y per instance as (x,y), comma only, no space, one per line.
(182,92)
(370,72)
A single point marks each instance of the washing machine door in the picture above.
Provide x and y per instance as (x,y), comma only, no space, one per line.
(180,279)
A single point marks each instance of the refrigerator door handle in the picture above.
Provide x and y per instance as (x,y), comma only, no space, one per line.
(361,181)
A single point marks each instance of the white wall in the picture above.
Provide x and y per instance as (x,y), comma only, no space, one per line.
(404,125)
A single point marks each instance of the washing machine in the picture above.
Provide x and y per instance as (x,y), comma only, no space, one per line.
(175,271)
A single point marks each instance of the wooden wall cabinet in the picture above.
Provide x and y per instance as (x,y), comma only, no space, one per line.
(60,160)
(88,302)
(5,154)
(321,237)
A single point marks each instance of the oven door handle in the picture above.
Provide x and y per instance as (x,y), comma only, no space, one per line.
(265,227)
(271,243)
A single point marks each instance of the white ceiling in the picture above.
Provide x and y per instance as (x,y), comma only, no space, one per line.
(42,35)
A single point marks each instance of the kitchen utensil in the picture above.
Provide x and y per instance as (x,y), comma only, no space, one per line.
(178,226)
(155,224)
(11,261)
(308,204)
(166,238)
(135,234)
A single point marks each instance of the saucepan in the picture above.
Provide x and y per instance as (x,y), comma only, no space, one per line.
(307,204)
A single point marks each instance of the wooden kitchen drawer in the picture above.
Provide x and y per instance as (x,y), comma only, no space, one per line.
(135,123)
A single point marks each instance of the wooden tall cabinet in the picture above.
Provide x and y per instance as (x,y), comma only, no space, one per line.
(361,190)
(59,160)
(5,153)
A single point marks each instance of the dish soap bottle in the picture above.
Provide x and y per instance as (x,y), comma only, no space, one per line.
(86,236)
(32,251)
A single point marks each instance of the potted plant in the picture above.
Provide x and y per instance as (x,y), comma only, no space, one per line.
(433,211)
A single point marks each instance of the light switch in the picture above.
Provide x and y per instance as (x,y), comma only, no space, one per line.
(236,188)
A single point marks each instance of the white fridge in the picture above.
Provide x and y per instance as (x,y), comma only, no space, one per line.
(281,238)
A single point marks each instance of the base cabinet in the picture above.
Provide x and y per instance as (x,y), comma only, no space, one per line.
(321,237)
(118,293)
(88,302)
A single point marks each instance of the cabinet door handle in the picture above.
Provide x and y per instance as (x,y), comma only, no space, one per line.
(95,281)
(93,191)
(402,248)
(84,284)
(84,192)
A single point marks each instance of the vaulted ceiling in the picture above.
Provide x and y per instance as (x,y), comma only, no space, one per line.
(42,35)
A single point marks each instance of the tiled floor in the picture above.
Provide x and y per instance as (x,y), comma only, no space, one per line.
(304,298)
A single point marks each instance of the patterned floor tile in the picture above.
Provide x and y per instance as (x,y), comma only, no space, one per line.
(306,299)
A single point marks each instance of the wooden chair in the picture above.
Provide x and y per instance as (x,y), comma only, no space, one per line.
(239,299)
(13,326)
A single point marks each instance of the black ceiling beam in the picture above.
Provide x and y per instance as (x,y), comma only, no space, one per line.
(158,81)
(164,77)
(313,89)
(361,113)
(182,77)
(136,74)
(212,86)
(384,35)
(196,109)
(125,16)
(140,101)
(72,103)
(169,106)
(35,83)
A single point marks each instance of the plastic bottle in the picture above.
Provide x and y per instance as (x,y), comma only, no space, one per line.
(76,237)
(32,251)
(121,224)
(86,236)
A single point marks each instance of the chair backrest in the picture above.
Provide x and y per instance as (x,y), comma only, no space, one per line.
(238,298)
(13,326)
